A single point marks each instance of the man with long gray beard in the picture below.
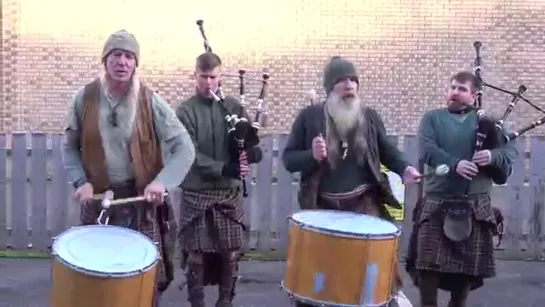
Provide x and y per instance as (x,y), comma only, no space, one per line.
(342,170)
(115,129)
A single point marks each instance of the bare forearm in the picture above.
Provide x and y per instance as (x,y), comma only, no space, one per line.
(180,158)
(71,156)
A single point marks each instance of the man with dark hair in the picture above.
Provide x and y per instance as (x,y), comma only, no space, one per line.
(211,228)
(338,147)
(451,246)
(208,62)
(469,78)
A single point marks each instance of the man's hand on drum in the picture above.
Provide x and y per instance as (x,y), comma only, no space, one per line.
(155,192)
(84,193)
(319,151)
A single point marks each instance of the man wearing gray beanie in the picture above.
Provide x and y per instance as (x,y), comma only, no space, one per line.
(115,128)
(338,147)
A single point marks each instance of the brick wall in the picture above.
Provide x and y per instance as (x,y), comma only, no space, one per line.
(405,51)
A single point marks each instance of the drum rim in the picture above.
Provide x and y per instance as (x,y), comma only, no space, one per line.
(346,234)
(308,300)
(95,273)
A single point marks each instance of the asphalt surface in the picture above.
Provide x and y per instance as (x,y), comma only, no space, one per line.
(26,282)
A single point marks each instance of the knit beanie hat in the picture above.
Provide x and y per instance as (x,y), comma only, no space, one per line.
(336,70)
(121,40)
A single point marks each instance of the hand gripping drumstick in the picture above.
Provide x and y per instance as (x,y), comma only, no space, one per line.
(109,201)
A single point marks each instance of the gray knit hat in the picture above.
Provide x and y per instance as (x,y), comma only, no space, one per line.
(336,70)
(121,40)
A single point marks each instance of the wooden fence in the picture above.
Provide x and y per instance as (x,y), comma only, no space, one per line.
(36,198)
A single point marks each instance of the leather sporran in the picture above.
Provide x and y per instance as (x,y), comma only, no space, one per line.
(307,195)
(457,221)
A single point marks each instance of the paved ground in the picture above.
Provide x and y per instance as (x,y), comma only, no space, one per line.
(25,283)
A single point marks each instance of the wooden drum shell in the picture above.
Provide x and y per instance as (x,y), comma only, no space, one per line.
(103,266)
(328,268)
(72,288)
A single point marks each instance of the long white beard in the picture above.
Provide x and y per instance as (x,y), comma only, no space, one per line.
(344,112)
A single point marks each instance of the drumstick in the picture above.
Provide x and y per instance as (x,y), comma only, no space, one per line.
(107,203)
(99,196)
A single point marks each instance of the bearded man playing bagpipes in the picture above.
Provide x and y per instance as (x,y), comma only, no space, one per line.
(338,146)
(211,228)
(451,247)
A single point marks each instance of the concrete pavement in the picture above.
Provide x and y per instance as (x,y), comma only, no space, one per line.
(26,282)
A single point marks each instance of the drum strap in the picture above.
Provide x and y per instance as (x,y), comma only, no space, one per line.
(163,222)
(362,189)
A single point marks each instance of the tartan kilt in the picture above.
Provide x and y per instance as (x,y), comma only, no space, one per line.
(211,221)
(145,220)
(431,250)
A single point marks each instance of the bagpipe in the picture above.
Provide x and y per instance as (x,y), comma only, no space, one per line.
(490,132)
(242,134)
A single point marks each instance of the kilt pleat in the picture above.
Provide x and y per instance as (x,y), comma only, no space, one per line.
(430,249)
(211,221)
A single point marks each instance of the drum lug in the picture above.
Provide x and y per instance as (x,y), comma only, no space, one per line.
(101,216)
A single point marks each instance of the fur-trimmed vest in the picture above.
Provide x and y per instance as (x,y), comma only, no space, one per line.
(145,150)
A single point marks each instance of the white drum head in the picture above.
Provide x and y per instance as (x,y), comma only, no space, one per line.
(344,222)
(105,250)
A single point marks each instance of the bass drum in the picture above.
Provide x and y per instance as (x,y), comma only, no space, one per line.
(102,265)
(338,258)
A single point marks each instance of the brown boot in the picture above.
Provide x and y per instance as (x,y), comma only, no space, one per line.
(194,276)
(228,281)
